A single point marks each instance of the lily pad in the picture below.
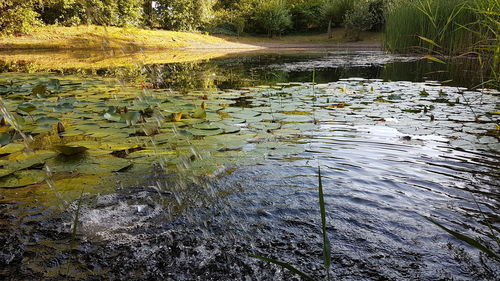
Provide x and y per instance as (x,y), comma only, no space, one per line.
(23,178)
(69,150)
(201,133)
(12,148)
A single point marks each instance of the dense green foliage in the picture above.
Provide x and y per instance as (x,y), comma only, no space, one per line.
(17,15)
(273,16)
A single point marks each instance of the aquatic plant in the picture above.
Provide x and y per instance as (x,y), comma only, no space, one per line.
(440,21)
(467,239)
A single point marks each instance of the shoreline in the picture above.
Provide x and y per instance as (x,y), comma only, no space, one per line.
(99,38)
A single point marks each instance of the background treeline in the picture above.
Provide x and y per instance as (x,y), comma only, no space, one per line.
(232,17)
(439,26)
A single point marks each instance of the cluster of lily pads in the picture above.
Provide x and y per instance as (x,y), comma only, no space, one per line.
(68,131)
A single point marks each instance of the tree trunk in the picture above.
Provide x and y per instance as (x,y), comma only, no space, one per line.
(148,12)
(330,34)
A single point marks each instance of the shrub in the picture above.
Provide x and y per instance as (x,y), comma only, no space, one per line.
(17,16)
(358,19)
(101,12)
(184,15)
(334,11)
(306,14)
(273,16)
(227,22)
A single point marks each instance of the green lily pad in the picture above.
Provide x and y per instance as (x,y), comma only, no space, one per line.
(39,90)
(23,178)
(12,148)
(69,150)
(6,171)
(206,126)
(88,165)
(4,138)
(26,107)
(201,133)
(19,160)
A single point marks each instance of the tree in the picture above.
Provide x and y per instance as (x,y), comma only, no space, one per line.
(273,16)
(306,14)
(18,16)
(334,12)
(184,14)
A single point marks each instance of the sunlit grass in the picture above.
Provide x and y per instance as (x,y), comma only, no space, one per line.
(99,37)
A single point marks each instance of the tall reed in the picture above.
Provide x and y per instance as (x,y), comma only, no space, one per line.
(450,27)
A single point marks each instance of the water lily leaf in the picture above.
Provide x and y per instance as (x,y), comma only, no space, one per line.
(39,89)
(88,165)
(279,149)
(297,112)
(18,122)
(55,83)
(113,117)
(69,150)
(337,105)
(410,110)
(12,148)
(228,129)
(47,120)
(6,171)
(394,97)
(19,160)
(26,107)
(206,126)
(424,93)
(23,178)
(201,133)
(265,126)
(131,117)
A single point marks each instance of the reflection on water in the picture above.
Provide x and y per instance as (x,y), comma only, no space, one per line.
(385,163)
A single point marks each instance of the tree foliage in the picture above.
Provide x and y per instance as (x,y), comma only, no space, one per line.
(273,16)
(184,14)
(18,16)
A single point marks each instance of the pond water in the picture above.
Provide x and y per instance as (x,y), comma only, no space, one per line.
(179,171)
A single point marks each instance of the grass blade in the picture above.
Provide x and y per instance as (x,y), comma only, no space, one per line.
(466,239)
(434,59)
(327,259)
(284,265)
(429,41)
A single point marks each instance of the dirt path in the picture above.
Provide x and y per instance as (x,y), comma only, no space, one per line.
(276,46)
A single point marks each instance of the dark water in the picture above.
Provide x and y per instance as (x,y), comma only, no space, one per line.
(379,183)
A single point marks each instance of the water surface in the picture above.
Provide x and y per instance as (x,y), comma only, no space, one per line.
(392,146)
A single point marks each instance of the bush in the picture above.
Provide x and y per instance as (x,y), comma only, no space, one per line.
(227,22)
(357,19)
(101,12)
(334,11)
(184,15)
(273,16)
(17,16)
(364,15)
(306,14)
(376,9)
